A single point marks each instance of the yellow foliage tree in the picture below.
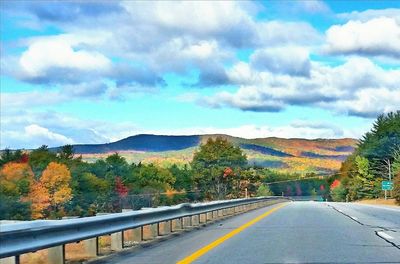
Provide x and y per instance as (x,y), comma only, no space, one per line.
(13,171)
(16,178)
(52,191)
(40,200)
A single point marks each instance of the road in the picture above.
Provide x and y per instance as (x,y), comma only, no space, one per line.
(299,232)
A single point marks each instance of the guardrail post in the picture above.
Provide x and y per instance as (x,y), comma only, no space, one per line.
(116,241)
(149,232)
(195,220)
(91,247)
(214,215)
(9,260)
(231,211)
(176,224)
(209,216)
(187,221)
(137,234)
(203,218)
(56,255)
(220,213)
(164,228)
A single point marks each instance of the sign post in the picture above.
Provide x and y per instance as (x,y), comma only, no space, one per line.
(387,186)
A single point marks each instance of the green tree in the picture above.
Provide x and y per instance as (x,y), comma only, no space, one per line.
(40,158)
(184,179)
(216,165)
(339,194)
(116,166)
(66,152)
(152,179)
(90,194)
(263,190)
(396,188)
(367,180)
(8,155)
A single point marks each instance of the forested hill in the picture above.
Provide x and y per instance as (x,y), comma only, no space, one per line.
(150,143)
(304,155)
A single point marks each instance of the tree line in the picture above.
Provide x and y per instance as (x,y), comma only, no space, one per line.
(43,184)
(375,159)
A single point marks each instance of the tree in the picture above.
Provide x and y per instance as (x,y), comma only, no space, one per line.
(396,188)
(66,153)
(116,166)
(151,178)
(216,166)
(184,179)
(55,180)
(263,190)
(40,158)
(40,200)
(337,191)
(90,194)
(373,159)
(15,182)
(8,155)
(366,178)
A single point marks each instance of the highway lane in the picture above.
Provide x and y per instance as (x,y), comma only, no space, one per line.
(301,232)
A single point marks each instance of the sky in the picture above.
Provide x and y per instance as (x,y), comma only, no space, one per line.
(94,72)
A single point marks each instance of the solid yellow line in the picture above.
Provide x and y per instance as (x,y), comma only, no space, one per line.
(204,250)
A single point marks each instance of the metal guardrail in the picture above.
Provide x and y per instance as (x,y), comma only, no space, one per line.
(25,237)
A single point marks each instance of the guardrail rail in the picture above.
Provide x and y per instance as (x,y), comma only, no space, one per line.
(146,224)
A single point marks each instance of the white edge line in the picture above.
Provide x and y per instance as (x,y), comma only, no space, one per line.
(384,235)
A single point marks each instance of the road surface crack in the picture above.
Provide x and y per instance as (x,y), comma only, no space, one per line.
(387,240)
(370,226)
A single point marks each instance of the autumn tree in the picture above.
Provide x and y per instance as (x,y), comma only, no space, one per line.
(216,165)
(15,182)
(55,184)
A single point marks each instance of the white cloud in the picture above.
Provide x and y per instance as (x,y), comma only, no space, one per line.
(200,17)
(348,88)
(45,135)
(314,6)
(30,98)
(370,102)
(283,60)
(375,37)
(58,52)
(370,14)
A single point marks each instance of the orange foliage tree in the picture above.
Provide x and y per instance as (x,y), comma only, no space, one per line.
(15,182)
(52,191)
(17,176)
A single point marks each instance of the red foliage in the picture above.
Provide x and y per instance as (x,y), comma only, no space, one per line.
(322,187)
(228,172)
(120,188)
(335,183)
(24,158)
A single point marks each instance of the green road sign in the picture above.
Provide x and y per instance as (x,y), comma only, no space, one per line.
(387,185)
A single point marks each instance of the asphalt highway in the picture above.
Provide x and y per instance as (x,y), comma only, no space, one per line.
(297,232)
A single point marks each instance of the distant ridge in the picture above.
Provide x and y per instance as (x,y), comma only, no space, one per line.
(142,142)
(294,154)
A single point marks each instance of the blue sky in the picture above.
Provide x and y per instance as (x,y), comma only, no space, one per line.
(94,72)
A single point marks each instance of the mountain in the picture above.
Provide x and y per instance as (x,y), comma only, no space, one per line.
(291,155)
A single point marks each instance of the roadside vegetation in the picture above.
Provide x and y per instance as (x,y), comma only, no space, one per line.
(42,184)
(376,159)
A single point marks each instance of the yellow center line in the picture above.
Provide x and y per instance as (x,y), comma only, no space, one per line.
(204,250)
